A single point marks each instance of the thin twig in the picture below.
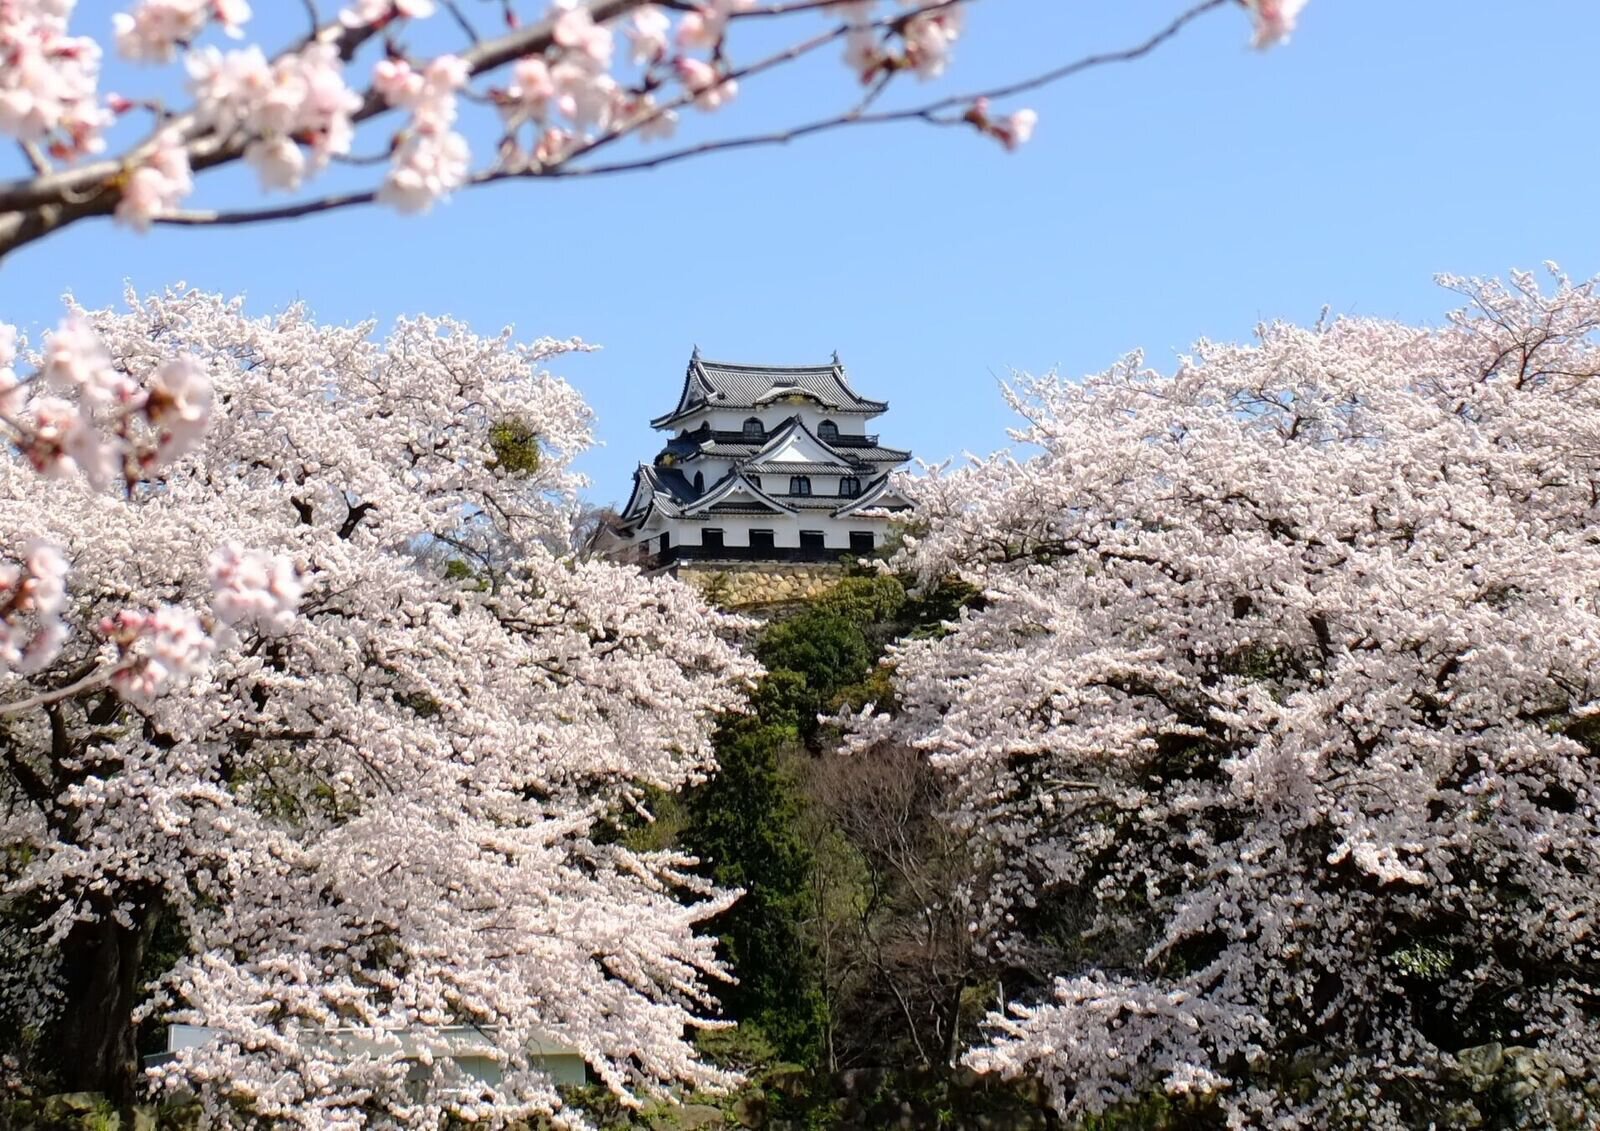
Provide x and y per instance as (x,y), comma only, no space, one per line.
(35,156)
(97,678)
(462,22)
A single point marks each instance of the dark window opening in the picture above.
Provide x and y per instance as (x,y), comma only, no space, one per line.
(699,481)
(799,484)
(761,540)
(827,430)
(812,540)
(712,539)
(754,429)
(861,542)
(666,543)
(849,487)
(755,481)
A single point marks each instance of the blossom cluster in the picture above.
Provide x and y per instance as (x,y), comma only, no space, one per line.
(1283,685)
(432,160)
(296,102)
(154,30)
(81,414)
(49,81)
(32,596)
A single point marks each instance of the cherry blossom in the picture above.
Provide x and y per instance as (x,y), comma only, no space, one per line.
(158,184)
(1278,708)
(648,34)
(433,159)
(252,587)
(711,90)
(298,97)
(48,83)
(366,726)
(1274,20)
(380,12)
(32,597)
(155,29)
(157,648)
(929,38)
(1017,128)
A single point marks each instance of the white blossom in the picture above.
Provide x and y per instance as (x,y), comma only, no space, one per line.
(1282,690)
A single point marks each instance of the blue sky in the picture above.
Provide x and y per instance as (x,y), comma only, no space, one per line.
(1192,193)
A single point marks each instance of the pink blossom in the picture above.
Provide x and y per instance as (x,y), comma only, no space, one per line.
(1274,20)
(648,34)
(654,123)
(11,390)
(427,167)
(178,404)
(585,95)
(432,757)
(929,38)
(75,360)
(278,161)
(862,52)
(166,645)
(367,12)
(251,587)
(61,441)
(705,26)
(1016,129)
(298,96)
(48,78)
(432,160)
(528,96)
(45,590)
(158,184)
(576,30)
(706,83)
(32,599)
(155,28)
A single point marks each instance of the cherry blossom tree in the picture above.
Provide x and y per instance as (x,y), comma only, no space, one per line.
(374,83)
(363,794)
(1280,700)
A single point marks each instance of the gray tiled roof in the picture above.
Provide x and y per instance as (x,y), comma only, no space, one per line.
(726,384)
(876,454)
(812,502)
(782,468)
(674,483)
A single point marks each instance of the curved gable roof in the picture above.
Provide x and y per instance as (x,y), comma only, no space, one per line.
(802,446)
(731,486)
(727,384)
(879,493)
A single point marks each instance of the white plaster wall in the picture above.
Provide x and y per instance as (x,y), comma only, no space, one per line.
(772,415)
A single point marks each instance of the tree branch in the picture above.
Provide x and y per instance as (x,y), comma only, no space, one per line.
(928,113)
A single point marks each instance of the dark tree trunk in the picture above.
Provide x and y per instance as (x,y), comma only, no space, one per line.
(952,1022)
(99,1048)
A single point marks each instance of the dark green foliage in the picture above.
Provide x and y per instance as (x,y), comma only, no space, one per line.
(745,825)
(516,446)
(825,649)
(755,825)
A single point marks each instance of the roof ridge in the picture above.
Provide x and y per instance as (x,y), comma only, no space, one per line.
(762,365)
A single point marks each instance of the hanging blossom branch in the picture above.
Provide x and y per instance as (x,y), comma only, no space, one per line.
(78,414)
(566,91)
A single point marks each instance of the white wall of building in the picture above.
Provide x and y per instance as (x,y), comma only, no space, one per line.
(772,416)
